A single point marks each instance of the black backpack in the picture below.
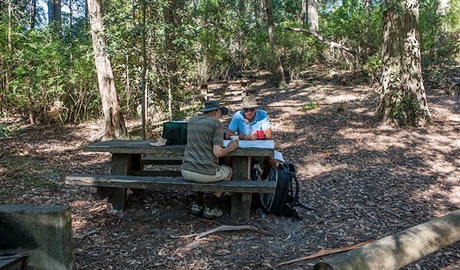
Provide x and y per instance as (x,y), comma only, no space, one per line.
(286,197)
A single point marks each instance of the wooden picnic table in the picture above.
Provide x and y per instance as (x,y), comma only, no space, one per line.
(127,156)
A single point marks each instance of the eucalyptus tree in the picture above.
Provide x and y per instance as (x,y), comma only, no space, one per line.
(279,70)
(113,116)
(309,14)
(402,92)
(55,14)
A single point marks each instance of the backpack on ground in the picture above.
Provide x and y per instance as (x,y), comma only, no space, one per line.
(286,197)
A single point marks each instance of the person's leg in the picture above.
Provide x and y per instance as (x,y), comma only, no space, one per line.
(225,173)
(266,163)
(210,210)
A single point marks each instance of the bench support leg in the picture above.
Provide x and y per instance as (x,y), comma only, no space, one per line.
(121,165)
(241,202)
(116,200)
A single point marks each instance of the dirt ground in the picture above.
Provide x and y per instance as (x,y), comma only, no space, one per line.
(359,179)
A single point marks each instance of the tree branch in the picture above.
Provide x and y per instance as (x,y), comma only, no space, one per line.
(324,252)
(322,39)
(225,228)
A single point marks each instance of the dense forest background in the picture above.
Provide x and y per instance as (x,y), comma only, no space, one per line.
(160,51)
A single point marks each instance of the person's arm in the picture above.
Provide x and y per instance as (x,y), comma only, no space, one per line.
(220,151)
(229,133)
(253,136)
(268,134)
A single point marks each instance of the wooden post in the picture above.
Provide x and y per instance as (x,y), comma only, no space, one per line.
(400,249)
(121,165)
(241,202)
(204,91)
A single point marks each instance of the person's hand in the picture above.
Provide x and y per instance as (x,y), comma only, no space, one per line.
(252,136)
(232,145)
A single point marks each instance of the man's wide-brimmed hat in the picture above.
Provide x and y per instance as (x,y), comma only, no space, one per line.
(212,105)
(249,102)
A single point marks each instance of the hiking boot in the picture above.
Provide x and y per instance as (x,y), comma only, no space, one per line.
(197,209)
(212,213)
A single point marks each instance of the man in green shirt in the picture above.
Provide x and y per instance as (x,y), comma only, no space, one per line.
(205,137)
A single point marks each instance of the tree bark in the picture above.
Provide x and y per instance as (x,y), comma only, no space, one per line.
(312,15)
(402,93)
(398,250)
(114,121)
(55,15)
(173,22)
(281,79)
(32,13)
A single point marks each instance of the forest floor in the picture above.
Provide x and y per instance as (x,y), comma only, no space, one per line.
(359,179)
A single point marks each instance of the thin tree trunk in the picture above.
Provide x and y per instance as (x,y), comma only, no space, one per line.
(281,79)
(33,8)
(173,22)
(402,93)
(114,121)
(6,61)
(55,15)
(304,13)
(144,110)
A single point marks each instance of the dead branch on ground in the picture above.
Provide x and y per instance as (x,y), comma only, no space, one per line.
(324,252)
(224,228)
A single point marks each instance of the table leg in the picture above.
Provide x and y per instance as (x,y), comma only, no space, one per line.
(241,202)
(121,165)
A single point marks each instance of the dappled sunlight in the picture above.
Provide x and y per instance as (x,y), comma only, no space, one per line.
(318,169)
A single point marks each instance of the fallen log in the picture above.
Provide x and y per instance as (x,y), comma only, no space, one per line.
(400,249)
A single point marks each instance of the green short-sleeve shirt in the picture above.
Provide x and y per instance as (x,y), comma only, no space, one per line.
(203,132)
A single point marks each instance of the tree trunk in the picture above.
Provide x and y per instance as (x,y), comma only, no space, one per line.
(402,93)
(114,122)
(399,250)
(144,114)
(272,36)
(32,13)
(54,14)
(173,22)
(312,14)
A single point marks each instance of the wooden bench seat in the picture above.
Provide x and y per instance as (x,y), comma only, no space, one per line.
(114,188)
(7,262)
(169,183)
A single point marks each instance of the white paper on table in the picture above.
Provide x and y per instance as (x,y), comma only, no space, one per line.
(279,156)
(267,144)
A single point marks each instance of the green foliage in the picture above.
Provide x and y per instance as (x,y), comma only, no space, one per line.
(406,109)
(439,32)
(4,130)
(310,106)
(372,67)
(52,79)
(354,26)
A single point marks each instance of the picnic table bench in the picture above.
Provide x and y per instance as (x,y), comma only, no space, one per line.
(129,157)
(227,91)
(169,183)
(6,262)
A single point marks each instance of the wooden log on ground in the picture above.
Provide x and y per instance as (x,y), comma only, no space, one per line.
(398,250)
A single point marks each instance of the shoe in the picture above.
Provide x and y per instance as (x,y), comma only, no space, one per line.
(212,213)
(197,209)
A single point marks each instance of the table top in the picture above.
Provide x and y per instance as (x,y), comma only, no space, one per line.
(247,148)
